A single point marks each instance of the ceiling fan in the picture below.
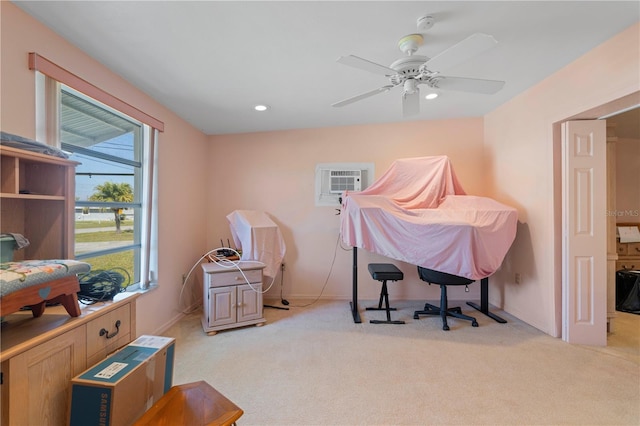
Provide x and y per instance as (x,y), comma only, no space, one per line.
(413,70)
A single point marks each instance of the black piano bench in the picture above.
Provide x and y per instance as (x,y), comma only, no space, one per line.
(384,272)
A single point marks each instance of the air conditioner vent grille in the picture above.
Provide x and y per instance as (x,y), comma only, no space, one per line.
(337,173)
(345,180)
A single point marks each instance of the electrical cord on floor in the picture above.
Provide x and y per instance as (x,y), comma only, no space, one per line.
(326,281)
(102,284)
(225,263)
(282,299)
(222,261)
(186,277)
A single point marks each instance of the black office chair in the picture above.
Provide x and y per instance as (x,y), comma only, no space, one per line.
(443,280)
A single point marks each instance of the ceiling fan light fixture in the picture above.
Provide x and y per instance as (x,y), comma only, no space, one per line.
(410,86)
(431,95)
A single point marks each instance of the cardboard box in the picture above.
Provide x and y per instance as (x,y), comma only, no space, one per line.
(121,388)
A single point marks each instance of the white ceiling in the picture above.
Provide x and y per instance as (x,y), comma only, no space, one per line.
(211,61)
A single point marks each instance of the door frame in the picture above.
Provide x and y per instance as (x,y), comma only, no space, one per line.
(600,112)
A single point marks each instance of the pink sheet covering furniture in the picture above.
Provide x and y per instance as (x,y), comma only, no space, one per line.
(417,212)
(259,238)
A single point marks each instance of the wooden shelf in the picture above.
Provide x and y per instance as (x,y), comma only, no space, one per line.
(33,196)
(45,213)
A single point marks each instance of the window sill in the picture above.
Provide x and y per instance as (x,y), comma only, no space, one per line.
(126,294)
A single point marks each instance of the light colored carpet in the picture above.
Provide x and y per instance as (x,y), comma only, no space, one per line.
(314,366)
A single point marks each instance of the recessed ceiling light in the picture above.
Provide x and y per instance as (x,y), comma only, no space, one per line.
(431,96)
(261,107)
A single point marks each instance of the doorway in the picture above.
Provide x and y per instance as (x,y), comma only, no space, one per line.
(625,127)
(605,111)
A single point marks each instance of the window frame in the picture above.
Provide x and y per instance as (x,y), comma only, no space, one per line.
(48,78)
(139,180)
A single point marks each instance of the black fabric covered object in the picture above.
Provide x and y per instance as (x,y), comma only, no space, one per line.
(628,291)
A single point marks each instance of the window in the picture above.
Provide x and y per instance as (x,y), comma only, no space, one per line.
(109,181)
(114,142)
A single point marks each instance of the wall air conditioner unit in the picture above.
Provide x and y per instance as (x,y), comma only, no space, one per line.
(333,179)
(345,180)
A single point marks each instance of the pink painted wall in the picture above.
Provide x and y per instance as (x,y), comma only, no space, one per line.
(181,167)
(509,155)
(522,161)
(275,172)
(627,180)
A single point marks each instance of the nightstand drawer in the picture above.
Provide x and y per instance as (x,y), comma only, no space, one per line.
(632,263)
(622,249)
(109,332)
(633,249)
(234,277)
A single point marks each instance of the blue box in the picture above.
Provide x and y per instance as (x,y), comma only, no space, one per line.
(122,387)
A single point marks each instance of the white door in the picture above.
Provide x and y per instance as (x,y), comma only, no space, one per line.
(584,248)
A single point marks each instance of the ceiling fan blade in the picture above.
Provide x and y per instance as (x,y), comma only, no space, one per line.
(363,64)
(460,52)
(411,103)
(362,96)
(473,85)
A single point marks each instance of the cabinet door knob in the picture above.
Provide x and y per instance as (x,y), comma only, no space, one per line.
(106,332)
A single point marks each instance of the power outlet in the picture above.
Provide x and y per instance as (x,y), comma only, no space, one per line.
(517,278)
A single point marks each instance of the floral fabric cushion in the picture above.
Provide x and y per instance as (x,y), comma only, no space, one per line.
(18,275)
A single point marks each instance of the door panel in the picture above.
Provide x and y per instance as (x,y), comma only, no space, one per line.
(584,286)
(222,306)
(249,302)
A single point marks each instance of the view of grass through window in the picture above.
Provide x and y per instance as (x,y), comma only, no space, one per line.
(92,232)
(109,179)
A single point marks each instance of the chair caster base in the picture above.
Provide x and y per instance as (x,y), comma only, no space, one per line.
(451,312)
